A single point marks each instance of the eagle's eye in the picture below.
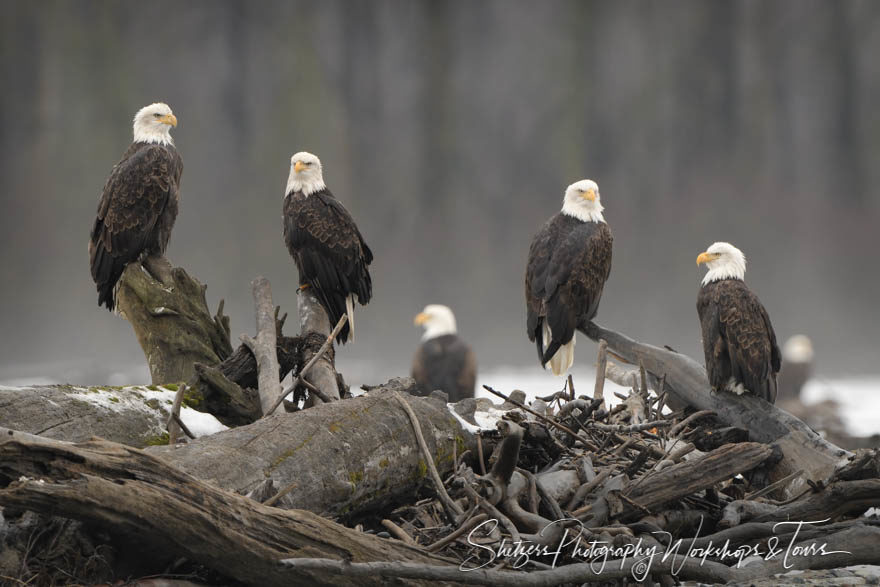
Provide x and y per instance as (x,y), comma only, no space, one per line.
(157,115)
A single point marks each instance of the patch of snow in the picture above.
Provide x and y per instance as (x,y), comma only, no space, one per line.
(488,419)
(136,398)
(200,423)
(859,400)
(464,423)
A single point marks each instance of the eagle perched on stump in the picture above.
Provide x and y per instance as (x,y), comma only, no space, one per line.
(329,251)
(139,204)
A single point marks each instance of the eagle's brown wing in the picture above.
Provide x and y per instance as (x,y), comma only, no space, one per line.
(565,279)
(329,251)
(135,215)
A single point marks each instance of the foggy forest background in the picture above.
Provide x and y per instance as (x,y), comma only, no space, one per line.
(450,131)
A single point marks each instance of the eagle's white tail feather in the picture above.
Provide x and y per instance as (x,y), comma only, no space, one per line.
(349,309)
(564,357)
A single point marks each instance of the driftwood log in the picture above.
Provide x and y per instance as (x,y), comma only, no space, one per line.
(688,477)
(75,414)
(170,317)
(685,379)
(127,415)
(361,453)
(144,503)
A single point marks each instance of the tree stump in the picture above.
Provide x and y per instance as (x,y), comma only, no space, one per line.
(315,327)
(170,317)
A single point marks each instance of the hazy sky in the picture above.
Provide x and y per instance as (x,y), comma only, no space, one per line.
(450,131)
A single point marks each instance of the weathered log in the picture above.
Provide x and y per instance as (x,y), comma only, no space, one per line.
(131,415)
(677,481)
(686,381)
(361,453)
(841,498)
(345,451)
(170,317)
(135,416)
(139,499)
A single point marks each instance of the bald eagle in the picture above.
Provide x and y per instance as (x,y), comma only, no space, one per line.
(329,251)
(797,366)
(443,361)
(738,339)
(139,203)
(569,262)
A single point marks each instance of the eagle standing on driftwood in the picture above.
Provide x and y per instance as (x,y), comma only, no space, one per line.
(139,204)
(738,339)
(329,251)
(443,361)
(569,262)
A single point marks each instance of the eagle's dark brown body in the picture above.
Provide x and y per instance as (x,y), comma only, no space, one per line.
(329,252)
(136,213)
(446,363)
(569,262)
(738,340)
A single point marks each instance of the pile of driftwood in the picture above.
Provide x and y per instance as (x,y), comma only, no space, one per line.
(575,492)
(674,483)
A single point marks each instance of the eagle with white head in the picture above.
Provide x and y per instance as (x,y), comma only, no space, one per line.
(739,343)
(568,265)
(139,203)
(325,243)
(443,361)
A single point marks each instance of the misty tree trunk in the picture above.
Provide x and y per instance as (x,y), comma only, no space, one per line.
(147,504)
(170,317)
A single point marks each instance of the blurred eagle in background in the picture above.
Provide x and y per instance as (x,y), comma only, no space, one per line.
(738,340)
(139,204)
(569,263)
(443,361)
(329,251)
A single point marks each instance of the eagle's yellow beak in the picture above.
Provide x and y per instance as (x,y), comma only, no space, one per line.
(169,119)
(590,194)
(299,166)
(706,257)
(420,319)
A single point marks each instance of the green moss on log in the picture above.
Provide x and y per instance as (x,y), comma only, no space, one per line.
(158,440)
